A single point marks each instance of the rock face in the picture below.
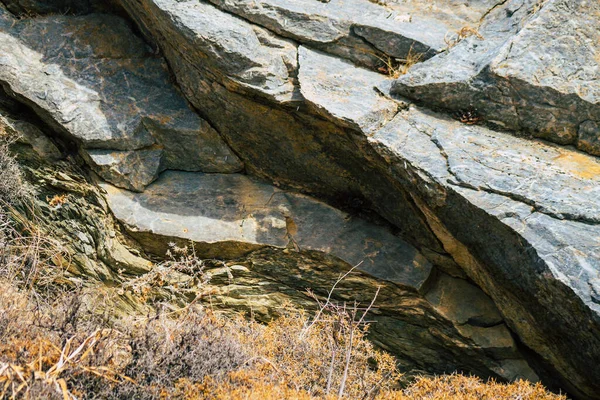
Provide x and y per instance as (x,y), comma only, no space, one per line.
(492,234)
(536,71)
(230,213)
(233,217)
(90,78)
(404,322)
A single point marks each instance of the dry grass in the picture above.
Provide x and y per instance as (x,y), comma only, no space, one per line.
(66,350)
(13,187)
(396,67)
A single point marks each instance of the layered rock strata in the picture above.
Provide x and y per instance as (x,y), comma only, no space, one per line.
(288,89)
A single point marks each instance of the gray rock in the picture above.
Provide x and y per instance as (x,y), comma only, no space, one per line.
(342,27)
(589,137)
(533,69)
(462,302)
(286,144)
(535,202)
(230,45)
(232,211)
(475,316)
(519,217)
(346,94)
(197,149)
(403,322)
(42,7)
(28,134)
(133,170)
(93,79)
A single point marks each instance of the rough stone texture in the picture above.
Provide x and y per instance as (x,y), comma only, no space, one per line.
(229,216)
(199,149)
(92,79)
(28,134)
(233,46)
(134,169)
(534,202)
(536,71)
(341,92)
(42,7)
(230,210)
(403,321)
(284,143)
(464,303)
(358,30)
(79,224)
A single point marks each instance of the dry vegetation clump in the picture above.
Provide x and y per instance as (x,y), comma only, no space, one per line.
(452,39)
(460,387)
(66,350)
(396,67)
(12,185)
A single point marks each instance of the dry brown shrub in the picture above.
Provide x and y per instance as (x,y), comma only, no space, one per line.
(67,346)
(460,387)
(12,185)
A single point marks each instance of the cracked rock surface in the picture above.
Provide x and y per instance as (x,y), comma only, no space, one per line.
(496,231)
(536,71)
(91,79)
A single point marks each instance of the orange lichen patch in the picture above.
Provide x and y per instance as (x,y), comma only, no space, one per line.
(162,119)
(57,200)
(578,164)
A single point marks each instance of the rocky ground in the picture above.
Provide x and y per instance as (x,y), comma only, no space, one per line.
(447,149)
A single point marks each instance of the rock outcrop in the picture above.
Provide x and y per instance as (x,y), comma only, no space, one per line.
(95,82)
(529,68)
(491,234)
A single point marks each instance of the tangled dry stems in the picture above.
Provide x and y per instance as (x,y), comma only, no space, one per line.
(68,350)
(13,187)
(396,67)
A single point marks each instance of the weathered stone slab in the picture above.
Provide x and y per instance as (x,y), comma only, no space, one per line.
(219,209)
(342,92)
(342,27)
(93,79)
(231,46)
(200,149)
(535,70)
(133,169)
